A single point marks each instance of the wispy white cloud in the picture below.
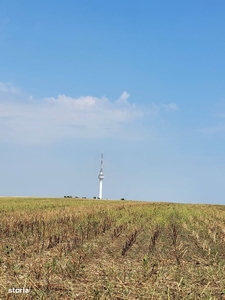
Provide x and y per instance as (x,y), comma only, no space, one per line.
(8,88)
(123,98)
(48,119)
(170,107)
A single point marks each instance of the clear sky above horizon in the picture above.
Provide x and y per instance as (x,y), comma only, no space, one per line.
(141,81)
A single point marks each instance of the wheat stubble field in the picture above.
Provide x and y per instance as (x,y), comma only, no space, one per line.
(93,249)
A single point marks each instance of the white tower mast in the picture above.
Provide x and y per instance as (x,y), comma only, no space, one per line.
(101,177)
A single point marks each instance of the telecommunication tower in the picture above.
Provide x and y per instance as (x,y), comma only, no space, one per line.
(101,177)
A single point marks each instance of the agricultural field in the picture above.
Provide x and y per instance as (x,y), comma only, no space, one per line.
(95,249)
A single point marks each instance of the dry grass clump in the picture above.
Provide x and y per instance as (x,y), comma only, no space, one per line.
(73,249)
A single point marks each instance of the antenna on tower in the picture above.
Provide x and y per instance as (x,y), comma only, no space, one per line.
(101,166)
(101,177)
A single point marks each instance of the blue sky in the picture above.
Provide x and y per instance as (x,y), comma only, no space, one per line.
(141,81)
